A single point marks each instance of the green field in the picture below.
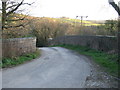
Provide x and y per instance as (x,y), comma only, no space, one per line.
(78,21)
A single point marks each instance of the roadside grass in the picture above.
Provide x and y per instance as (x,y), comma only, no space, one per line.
(107,61)
(0,64)
(10,62)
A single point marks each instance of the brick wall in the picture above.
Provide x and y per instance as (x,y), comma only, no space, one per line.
(102,43)
(18,46)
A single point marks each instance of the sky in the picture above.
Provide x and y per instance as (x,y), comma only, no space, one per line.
(94,9)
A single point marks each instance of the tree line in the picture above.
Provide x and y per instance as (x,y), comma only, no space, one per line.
(19,25)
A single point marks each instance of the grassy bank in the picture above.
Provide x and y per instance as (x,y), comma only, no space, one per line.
(10,62)
(107,61)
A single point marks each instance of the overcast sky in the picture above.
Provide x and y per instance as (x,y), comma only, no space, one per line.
(94,9)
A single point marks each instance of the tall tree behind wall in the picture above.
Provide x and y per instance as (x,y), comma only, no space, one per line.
(14,24)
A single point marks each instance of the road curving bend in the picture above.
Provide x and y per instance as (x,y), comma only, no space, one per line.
(56,68)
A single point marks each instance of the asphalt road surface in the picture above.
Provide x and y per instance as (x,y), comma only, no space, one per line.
(56,68)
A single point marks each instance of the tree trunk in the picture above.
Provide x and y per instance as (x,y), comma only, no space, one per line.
(3,14)
(118,40)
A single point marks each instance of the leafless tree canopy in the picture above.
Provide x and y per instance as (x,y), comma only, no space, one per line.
(14,13)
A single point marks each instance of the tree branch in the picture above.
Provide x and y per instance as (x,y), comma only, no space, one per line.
(21,25)
(15,8)
(28,3)
(17,5)
(116,7)
(16,19)
(11,6)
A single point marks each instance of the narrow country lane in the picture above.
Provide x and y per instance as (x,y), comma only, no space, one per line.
(56,68)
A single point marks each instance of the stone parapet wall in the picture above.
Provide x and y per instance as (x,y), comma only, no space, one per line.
(18,46)
(102,43)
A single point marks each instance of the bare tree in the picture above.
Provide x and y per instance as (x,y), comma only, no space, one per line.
(10,13)
(117,8)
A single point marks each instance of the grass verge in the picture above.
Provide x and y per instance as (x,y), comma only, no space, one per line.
(10,62)
(107,61)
